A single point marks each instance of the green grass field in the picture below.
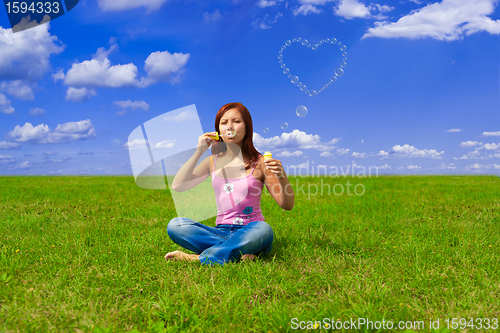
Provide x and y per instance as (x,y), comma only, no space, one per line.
(86,254)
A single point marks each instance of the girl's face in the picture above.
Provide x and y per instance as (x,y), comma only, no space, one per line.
(232,123)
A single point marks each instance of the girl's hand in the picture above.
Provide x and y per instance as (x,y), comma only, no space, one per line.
(205,140)
(275,166)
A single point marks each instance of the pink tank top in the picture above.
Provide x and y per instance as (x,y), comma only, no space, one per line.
(237,199)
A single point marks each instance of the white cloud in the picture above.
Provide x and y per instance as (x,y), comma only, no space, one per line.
(5,106)
(79,95)
(266,23)
(413,167)
(491,133)
(25,55)
(286,153)
(24,165)
(309,7)
(18,89)
(129,105)
(359,155)
(212,17)
(492,146)
(36,111)
(481,167)
(122,5)
(496,155)
(8,145)
(164,67)
(352,8)
(296,139)
(470,143)
(383,8)
(136,144)
(59,160)
(446,20)
(470,155)
(65,132)
(326,154)
(165,144)
(454,130)
(184,116)
(6,159)
(382,153)
(306,9)
(410,151)
(385,166)
(267,3)
(59,75)
(98,72)
(342,151)
(450,166)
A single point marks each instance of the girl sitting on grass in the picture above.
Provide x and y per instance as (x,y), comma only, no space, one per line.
(240,231)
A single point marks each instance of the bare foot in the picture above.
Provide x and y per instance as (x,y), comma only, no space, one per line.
(179,255)
(250,257)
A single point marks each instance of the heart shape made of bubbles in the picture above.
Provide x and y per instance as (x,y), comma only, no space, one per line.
(295,79)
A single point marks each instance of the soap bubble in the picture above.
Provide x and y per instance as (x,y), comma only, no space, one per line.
(325,86)
(295,79)
(301,111)
(286,71)
(288,43)
(339,43)
(303,87)
(281,61)
(333,79)
(280,56)
(345,59)
(289,75)
(327,40)
(333,40)
(304,42)
(308,45)
(284,125)
(315,47)
(343,48)
(339,72)
(307,92)
(265,130)
(343,64)
(283,65)
(344,54)
(299,39)
(312,93)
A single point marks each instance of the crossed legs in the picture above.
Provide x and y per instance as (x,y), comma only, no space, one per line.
(218,245)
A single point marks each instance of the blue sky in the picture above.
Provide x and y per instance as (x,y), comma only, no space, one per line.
(420,93)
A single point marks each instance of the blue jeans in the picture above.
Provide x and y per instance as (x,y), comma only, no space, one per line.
(225,242)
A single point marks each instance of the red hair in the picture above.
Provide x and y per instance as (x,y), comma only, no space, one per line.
(247,148)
